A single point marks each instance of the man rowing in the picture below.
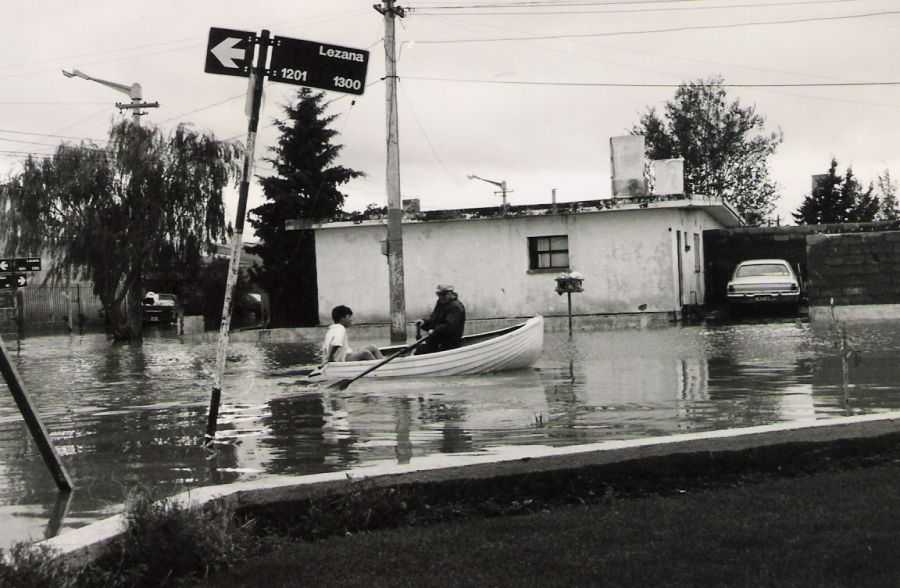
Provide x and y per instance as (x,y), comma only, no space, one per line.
(446,324)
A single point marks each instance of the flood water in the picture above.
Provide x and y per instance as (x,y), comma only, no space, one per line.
(123,417)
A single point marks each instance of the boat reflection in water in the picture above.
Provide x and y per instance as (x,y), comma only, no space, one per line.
(124,417)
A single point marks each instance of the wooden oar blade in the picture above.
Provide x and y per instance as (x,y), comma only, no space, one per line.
(290,373)
(341,384)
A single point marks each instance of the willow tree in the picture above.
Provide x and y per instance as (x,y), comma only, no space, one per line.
(109,214)
(724,146)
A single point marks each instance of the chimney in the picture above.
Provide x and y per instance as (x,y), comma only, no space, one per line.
(627,166)
(669,176)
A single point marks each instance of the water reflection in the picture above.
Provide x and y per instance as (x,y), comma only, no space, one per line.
(123,417)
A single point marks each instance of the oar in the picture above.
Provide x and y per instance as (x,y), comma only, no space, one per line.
(304,371)
(342,384)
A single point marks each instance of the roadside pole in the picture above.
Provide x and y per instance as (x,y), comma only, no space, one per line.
(395,206)
(255,86)
(294,61)
(35,426)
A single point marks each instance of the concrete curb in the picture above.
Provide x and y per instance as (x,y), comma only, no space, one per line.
(82,545)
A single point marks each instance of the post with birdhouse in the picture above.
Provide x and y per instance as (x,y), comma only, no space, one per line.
(566,283)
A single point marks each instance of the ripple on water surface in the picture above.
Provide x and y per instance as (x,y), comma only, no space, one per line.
(128,416)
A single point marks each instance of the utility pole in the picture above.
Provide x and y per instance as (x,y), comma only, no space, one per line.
(134,92)
(395,210)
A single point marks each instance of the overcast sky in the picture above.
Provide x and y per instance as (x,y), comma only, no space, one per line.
(526,92)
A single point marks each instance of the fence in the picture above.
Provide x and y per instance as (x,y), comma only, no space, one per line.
(50,308)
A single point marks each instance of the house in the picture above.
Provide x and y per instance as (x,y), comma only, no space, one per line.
(640,254)
(637,252)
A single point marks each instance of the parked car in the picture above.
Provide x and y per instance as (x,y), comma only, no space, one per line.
(159,308)
(764,281)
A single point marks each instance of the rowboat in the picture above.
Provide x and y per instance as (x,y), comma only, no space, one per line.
(515,347)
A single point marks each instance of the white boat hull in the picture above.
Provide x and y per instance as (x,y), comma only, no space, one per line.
(514,348)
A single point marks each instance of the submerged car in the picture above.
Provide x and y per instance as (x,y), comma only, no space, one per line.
(764,281)
(159,308)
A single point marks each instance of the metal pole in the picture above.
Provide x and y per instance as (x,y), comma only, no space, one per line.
(395,211)
(258,77)
(20,316)
(569,296)
(38,431)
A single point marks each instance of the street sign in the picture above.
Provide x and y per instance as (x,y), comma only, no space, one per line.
(229,52)
(20,264)
(318,65)
(13,281)
(28,264)
(294,61)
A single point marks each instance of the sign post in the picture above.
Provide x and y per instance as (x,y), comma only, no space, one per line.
(17,387)
(256,88)
(566,283)
(305,63)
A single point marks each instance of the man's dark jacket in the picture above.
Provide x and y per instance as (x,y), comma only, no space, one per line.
(447,321)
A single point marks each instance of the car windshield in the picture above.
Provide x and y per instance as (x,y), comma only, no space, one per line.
(169,297)
(762,269)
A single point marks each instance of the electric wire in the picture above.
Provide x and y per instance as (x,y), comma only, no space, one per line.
(425,135)
(655,85)
(657,31)
(594,45)
(523,12)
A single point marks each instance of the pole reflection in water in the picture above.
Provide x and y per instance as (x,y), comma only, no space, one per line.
(128,417)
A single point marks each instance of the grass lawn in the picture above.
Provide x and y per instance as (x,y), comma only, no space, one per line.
(826,528)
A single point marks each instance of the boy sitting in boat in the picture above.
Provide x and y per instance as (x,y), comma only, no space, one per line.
(337,345)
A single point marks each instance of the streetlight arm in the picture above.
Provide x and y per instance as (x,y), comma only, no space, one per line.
(501,185)
(134,90)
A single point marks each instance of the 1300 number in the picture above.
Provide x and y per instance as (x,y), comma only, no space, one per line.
(293,74)
(340,82)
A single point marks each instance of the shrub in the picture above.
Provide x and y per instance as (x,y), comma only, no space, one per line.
(32,566)
(168,543)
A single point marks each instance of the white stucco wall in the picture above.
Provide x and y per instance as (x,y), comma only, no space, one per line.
(627,258)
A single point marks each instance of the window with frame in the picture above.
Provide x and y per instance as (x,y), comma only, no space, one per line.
(551,252)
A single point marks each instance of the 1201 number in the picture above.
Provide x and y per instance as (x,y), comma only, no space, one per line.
(293,74)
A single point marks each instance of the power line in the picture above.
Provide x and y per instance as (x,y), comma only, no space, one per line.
(656,31)
(194,43)
(522,12)
(594,45)
(424,134)
(52,103)
(207,107)
(644,85)
(536,3)
(49,135)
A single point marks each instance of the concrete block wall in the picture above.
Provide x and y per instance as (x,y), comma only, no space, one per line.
(853,268)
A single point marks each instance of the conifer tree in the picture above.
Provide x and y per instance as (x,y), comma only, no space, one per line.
(887,187)
(305,187)
(837,199)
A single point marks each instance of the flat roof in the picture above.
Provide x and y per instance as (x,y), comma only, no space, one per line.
(717,207)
